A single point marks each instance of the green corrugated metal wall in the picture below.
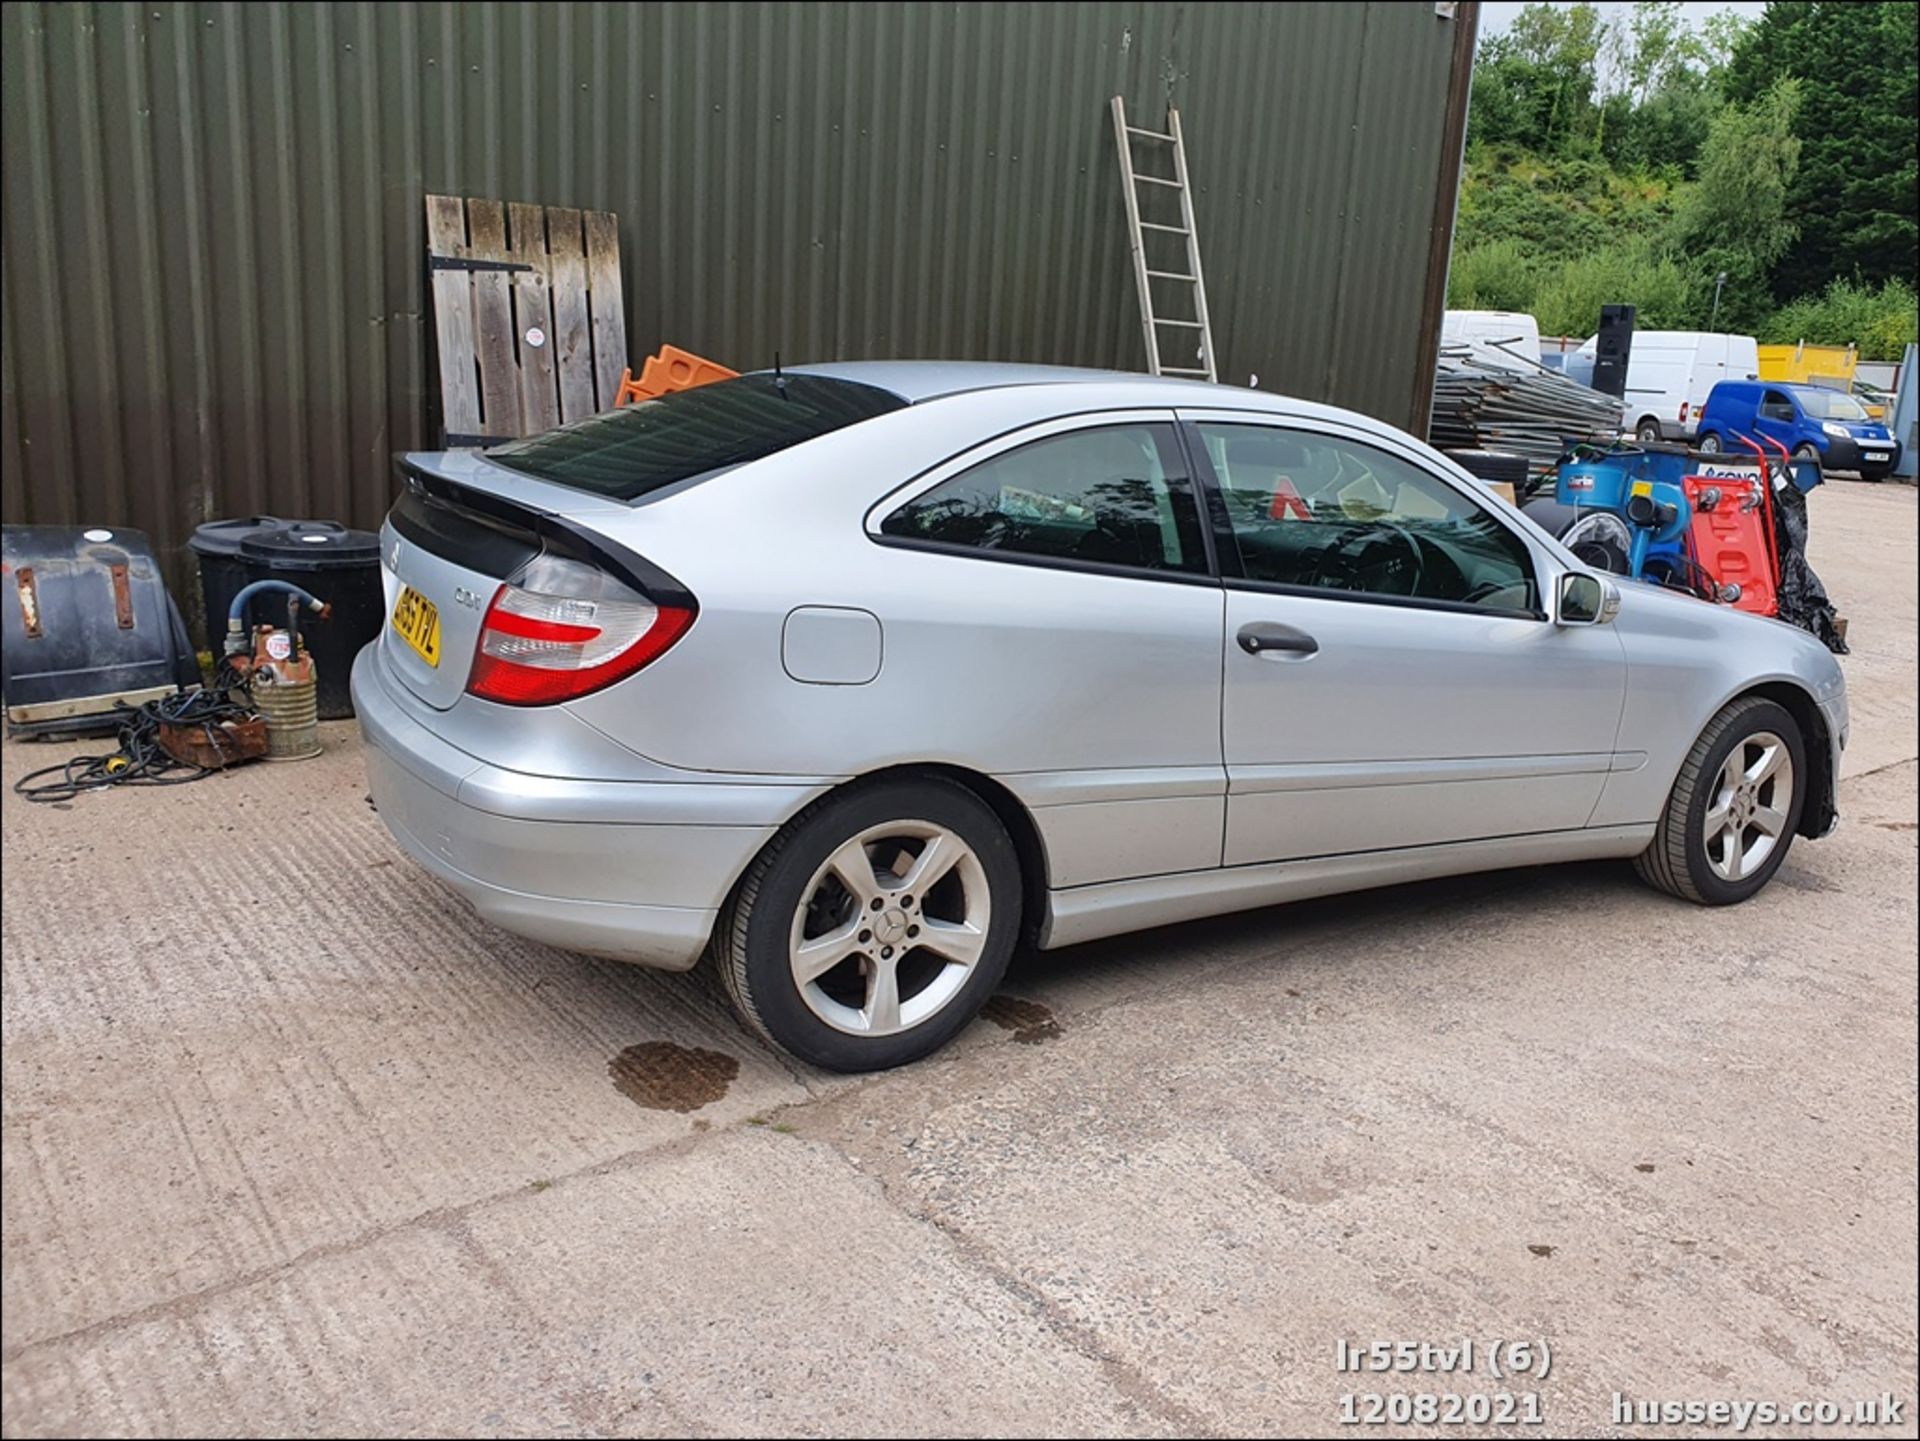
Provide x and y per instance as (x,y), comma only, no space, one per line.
(213,235)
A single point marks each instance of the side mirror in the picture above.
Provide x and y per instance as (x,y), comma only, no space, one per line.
(1585,599)
(1805,473)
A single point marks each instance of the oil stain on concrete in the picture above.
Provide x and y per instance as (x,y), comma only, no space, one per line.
(1029,1021)
(664,1077)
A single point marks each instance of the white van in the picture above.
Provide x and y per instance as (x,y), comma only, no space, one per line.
(1671,372)
(1497,336)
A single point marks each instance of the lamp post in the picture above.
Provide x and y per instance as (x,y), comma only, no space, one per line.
(1718,281)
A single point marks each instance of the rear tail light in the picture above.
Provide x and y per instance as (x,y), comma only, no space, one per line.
(563,629)
(1683,412)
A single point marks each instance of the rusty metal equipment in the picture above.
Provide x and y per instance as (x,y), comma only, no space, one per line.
(279,670)
(287,692)
(213,745)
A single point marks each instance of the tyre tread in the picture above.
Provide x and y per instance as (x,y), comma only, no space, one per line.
(1664,863)
(728,945)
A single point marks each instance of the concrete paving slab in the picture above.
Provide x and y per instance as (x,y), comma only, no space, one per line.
(240,1026)
(660,1297)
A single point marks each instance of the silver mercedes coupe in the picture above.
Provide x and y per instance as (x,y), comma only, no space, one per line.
(855,677)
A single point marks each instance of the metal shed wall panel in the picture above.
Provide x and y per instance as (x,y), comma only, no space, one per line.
(213,278)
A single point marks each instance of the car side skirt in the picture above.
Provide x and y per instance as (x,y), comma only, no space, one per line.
(1087,913)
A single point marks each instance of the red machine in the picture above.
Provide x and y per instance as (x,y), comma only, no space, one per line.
(1731,540)
(1732,536)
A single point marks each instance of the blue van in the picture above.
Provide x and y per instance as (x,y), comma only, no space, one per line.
(1813,422)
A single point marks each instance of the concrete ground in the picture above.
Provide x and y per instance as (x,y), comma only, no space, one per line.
(295,1145)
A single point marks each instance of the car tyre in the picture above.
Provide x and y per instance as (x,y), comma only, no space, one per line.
(1648,431)
(1805,451)
(1709,444)
(1734,809)
(905,971)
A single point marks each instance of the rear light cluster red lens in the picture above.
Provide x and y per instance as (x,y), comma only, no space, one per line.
(564,629)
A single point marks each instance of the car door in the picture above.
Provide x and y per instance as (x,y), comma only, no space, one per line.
(1391,676)
(1052,617)
(1777,418)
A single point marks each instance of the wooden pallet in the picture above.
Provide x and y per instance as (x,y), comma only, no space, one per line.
(528,313)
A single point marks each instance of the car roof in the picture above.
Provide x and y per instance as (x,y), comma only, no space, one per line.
(919,381)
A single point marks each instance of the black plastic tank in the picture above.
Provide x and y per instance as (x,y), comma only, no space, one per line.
(86,622)
(222,572)
(323,557)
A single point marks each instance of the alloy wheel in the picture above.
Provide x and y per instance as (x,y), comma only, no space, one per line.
(890,927)
(1747,815)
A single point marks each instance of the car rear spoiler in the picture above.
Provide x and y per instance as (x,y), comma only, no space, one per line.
(496,536)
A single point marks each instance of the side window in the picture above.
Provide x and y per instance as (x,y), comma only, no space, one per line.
(1117,495)
(1776,406)
(1324,513)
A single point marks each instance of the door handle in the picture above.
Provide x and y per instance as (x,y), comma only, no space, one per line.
(1262,637)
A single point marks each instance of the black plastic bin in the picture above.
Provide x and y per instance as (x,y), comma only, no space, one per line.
(323,557)
(222,572)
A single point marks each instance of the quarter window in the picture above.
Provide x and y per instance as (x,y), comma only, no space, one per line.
(1116,495)
(1324,513)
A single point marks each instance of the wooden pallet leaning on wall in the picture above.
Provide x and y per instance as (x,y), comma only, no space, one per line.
(528,315)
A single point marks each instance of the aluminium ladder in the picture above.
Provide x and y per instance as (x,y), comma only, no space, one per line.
(1199,363)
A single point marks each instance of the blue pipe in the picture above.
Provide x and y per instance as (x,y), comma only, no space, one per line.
(237,612)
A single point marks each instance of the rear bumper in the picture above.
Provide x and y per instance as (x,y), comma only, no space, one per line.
(633,870)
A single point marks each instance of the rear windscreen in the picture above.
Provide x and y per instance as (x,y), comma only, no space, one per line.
(638,449)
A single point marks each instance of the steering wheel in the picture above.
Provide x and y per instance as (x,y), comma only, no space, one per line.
(1359,553)
(1486,588)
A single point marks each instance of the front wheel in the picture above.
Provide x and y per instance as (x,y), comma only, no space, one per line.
(874,926)
(1807,451)
(1734,808)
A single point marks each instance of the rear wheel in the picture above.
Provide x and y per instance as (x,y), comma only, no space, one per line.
(1734,809)
(874,926)
(1710,444)
(1648,431)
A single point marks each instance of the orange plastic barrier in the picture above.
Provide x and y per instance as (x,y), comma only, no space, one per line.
(1730,542)
(1287,501)
(672,369)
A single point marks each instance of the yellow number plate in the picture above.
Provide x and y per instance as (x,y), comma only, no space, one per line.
(418,621)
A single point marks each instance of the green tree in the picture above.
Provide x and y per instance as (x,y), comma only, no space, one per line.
(1534,85)
(1652,48)
(1568,298)
(1855,200)
(1736,218)
(1496,275)
(1881,322)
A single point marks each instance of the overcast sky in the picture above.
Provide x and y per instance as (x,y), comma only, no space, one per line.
(1497,15)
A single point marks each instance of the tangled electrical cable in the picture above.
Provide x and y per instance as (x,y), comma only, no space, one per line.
(139,759)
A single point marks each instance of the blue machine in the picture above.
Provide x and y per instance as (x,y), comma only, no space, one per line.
(1641,486)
